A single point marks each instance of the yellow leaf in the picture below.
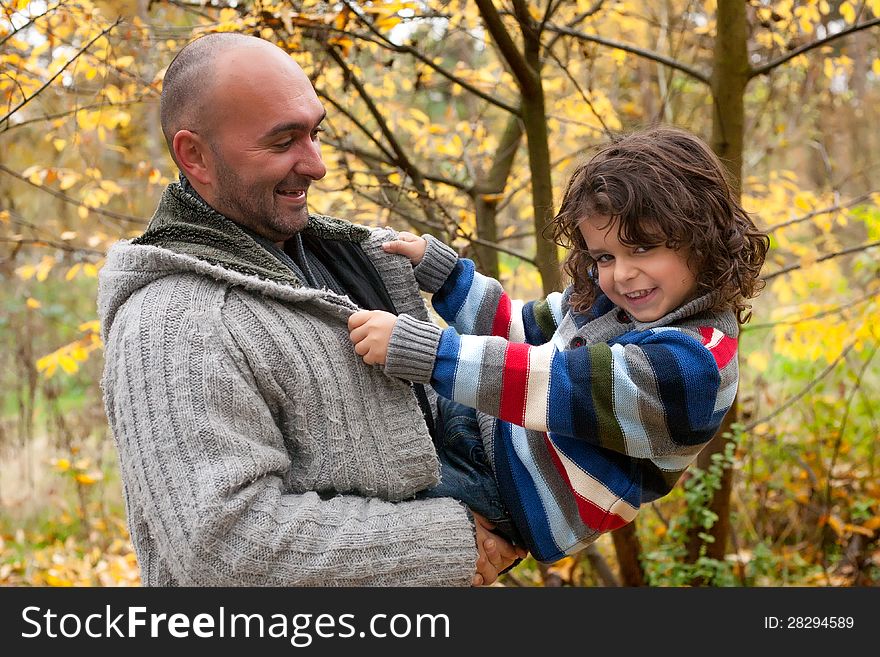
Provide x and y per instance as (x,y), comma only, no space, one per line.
(155,176)
(83,212)
(61,465)
(72,272)
(94,326)
(59,144)
(394,178)
(847,12)
(67,180)
(68,364)
(68,235)
(758,361)
(90,270)
(4,216)
(33,303)
(88,478)
(26,272)
(835,524)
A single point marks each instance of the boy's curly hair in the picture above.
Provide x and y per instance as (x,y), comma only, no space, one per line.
(665,186)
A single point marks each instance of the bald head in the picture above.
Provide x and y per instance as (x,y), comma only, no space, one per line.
(201,68)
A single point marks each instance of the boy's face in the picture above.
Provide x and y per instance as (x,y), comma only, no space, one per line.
(646,281)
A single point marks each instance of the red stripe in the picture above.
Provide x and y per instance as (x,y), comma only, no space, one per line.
(724,351)
(514,383)
(593,515)
(501,323)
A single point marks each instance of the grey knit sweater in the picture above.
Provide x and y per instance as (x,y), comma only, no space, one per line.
(255,447)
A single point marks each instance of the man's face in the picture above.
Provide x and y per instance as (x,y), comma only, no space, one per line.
(264,148)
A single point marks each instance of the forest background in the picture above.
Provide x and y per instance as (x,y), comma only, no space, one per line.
(463,119)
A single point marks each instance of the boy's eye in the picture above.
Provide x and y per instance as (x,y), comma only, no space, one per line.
(642,249)
(603,259)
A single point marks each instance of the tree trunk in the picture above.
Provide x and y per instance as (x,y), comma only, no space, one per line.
(629,549)
(487,195)
(730,76)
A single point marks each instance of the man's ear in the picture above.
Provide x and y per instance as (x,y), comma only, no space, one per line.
(192,156)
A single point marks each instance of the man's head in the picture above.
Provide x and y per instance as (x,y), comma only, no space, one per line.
(241,120)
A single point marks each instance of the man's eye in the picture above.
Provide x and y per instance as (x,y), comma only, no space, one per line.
(316,133)
(283,145)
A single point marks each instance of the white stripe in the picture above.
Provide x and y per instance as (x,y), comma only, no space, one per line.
(724,398)
(676,462)
(517,328)
(467,369)
(562,534)
(538,386)
(715,340)
(467,315)
(554,300)
(626,406)
(593,490)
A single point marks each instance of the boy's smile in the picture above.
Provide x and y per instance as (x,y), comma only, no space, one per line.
(648,281)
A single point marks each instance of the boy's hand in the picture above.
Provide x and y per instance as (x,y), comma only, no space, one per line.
(370,331)
(409,245)
(495,553)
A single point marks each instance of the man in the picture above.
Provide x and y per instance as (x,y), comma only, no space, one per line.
(255,447)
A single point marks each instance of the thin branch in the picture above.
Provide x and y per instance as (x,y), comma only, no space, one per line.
(60,71)
(793,400)
(31,21)
(61,115)
(61,246)
(69,199)
(401,158)
(769,66)
(409,50)
(829,256)
(640,52)
(525,76)
(816,213)
(360,126)
(800,320)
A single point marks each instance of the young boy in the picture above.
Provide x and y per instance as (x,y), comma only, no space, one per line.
(593,401)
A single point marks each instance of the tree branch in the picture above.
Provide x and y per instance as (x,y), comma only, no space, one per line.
(800,395)
(24,102)
(640,52)
(69,199)
(829,256)
(409,50)
(769,66)
(816,213)
(525,77)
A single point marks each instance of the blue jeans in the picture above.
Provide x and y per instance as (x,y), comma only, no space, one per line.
(465,473)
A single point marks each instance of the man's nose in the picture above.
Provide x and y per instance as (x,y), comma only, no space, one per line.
(309,163)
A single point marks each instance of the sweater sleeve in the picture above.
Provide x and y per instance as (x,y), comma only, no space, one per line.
(660,396)
(475,304)
(204,463)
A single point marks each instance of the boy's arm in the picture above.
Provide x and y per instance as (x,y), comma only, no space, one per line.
(661,397)
(474,304)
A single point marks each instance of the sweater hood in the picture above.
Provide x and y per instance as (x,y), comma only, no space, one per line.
(186,235)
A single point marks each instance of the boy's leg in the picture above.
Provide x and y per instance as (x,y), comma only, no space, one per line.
(465,473)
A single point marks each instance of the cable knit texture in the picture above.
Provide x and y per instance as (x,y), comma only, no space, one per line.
(255,447)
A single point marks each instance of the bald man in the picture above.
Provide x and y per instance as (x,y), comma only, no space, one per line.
(255,446)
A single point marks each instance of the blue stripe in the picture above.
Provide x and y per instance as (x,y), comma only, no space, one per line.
(466,318)
(443,378)
(518,492)
(447,301)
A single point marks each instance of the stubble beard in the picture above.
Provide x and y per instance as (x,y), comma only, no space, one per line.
(259,213)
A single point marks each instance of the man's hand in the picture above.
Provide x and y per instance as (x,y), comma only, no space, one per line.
(495,553)
(370,331)
(409,245)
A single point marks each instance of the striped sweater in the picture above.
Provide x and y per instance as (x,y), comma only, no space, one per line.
(585,416)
